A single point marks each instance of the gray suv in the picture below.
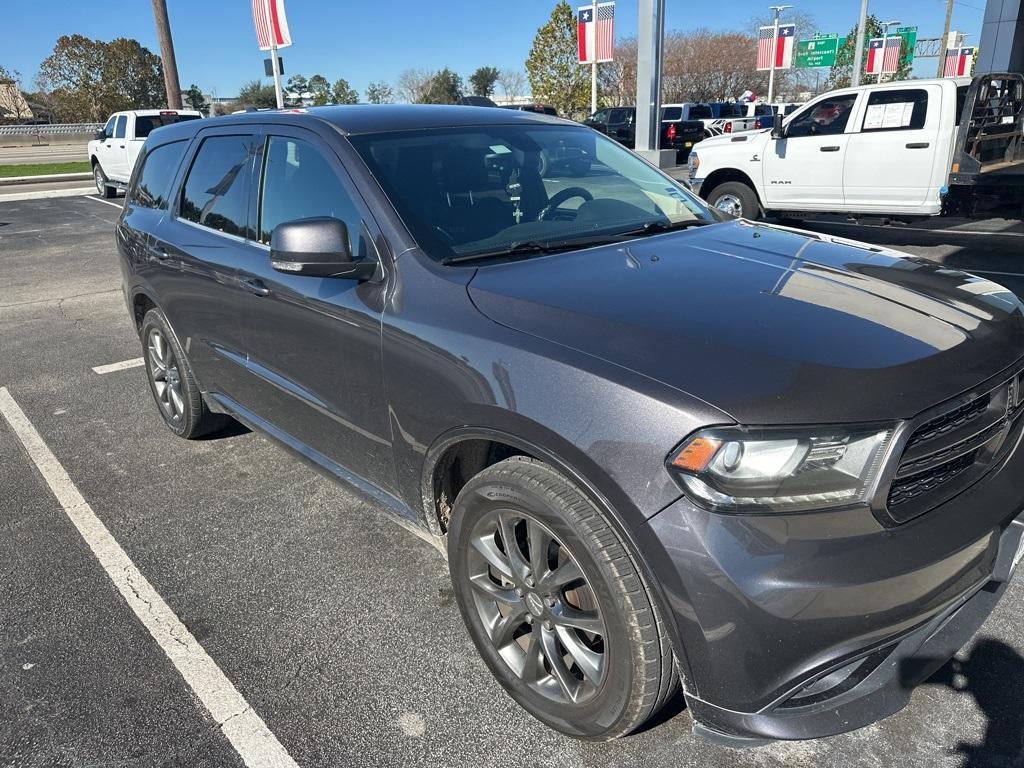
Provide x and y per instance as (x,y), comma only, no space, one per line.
(663,448)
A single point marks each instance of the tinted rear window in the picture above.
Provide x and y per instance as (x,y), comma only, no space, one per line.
(672,113)
(700,112)
(158,166)
(729,110)
(762,109)
(215,191)
(145,125)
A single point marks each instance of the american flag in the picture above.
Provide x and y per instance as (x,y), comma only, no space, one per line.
(271,24)
(873,65)
(891,59)
(595,39)
(772,51)
(958,62)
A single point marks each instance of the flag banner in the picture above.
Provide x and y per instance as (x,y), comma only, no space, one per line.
(775,52)
(891,59)
(958,62)
(873,61)
(271,24)
(595,37)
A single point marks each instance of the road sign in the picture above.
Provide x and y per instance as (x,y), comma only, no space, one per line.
(909,34)
(820,52)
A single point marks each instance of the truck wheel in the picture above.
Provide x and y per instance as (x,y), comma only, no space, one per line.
(736,199)
(100,178)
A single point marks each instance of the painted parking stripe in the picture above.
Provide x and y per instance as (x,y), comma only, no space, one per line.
(243,728)
(135,362)
(105,202)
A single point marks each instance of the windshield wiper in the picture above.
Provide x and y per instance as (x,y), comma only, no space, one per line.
(535,246)
(656,227)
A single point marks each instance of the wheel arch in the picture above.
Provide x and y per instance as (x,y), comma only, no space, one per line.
(478,443)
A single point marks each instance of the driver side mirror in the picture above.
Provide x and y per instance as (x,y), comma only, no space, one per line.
(778,130)
(101,135)
(317,247)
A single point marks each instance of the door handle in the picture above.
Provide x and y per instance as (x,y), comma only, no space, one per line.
(830,149)
(917,145)
(121,146)
(255,286)
(159,253)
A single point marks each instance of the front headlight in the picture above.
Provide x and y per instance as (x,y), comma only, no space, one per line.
(736,469)
(692,164)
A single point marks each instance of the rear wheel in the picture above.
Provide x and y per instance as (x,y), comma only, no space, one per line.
(736,199)
(554,603)
(171,381)
(100,180)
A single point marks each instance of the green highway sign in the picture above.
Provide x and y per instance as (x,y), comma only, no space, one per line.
(820,52)
(909,34)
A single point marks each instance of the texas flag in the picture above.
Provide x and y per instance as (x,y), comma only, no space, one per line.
(876,55)
(958,62)
(775,52)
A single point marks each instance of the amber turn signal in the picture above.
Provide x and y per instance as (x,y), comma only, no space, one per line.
(696,454)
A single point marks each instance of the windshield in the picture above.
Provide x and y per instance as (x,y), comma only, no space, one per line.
(484,189)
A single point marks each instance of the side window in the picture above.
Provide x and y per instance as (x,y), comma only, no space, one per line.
(215,190)
(825,118)
(158,167)
(299,183)
(601,116)
(618,116)
(119,129)
(108,129)
(896,110)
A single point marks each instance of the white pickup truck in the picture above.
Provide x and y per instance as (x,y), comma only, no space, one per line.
(902,149)
(117,145)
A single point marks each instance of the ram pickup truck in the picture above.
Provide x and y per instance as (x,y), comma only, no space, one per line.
(953,146)
(117,145)
(677,132)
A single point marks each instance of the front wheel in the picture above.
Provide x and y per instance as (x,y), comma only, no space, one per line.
(100,180)
(735,199)
(555,604)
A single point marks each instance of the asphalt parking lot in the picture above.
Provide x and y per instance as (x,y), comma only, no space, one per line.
(336,626)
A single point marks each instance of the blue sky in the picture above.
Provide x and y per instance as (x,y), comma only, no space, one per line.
(364,41)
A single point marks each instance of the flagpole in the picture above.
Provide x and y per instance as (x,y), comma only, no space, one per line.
(775,47)
(277,76)
(593,64)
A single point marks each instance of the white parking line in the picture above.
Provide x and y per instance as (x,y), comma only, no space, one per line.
(243,728)
(135,362)
(105,202)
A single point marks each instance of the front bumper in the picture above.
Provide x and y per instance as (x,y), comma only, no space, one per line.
(803,626)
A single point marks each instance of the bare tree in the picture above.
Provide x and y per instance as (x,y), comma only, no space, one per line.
(414,85)
(616,80)
(513,83)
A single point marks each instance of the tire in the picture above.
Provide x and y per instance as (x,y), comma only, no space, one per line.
(175,390)
(625,648)
(100,180)
(736,199)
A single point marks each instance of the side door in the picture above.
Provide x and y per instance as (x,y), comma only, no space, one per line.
(313,344)
(118,164)
(620,125)
(105,150)
(195,253)
(890,162)
(804,169)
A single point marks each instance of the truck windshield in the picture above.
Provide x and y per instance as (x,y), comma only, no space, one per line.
(482,189)
(144,124)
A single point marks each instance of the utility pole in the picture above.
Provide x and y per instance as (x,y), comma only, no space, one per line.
(776,10)
(858,50)
(163,34)
(945,39)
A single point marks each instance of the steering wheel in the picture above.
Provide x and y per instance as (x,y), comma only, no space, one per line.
(560,197)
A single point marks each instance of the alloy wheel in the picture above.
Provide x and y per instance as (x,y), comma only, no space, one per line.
(536,606)
(166,376)
(729,204)
(97,176)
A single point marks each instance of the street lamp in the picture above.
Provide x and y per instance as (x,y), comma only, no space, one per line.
(776,10)
(885,43)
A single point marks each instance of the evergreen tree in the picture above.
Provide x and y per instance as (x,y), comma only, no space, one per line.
(555,76)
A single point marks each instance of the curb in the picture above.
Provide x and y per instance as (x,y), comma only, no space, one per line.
(45,178)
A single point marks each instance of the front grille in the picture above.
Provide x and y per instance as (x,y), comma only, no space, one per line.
(954,447)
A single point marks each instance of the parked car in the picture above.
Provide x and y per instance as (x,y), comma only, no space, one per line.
(678,133)
(657,443)
(763,115)
(917,148)
(112,154)
(540,109)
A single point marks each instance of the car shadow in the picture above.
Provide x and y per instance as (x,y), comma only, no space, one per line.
(231,429)
(993,674)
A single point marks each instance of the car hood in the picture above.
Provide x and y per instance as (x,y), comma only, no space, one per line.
(768,324)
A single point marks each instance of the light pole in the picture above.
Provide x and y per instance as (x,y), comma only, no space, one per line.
(776,9)
(858,50)
(885,43)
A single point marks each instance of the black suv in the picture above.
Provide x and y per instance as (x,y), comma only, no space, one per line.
(780,468)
